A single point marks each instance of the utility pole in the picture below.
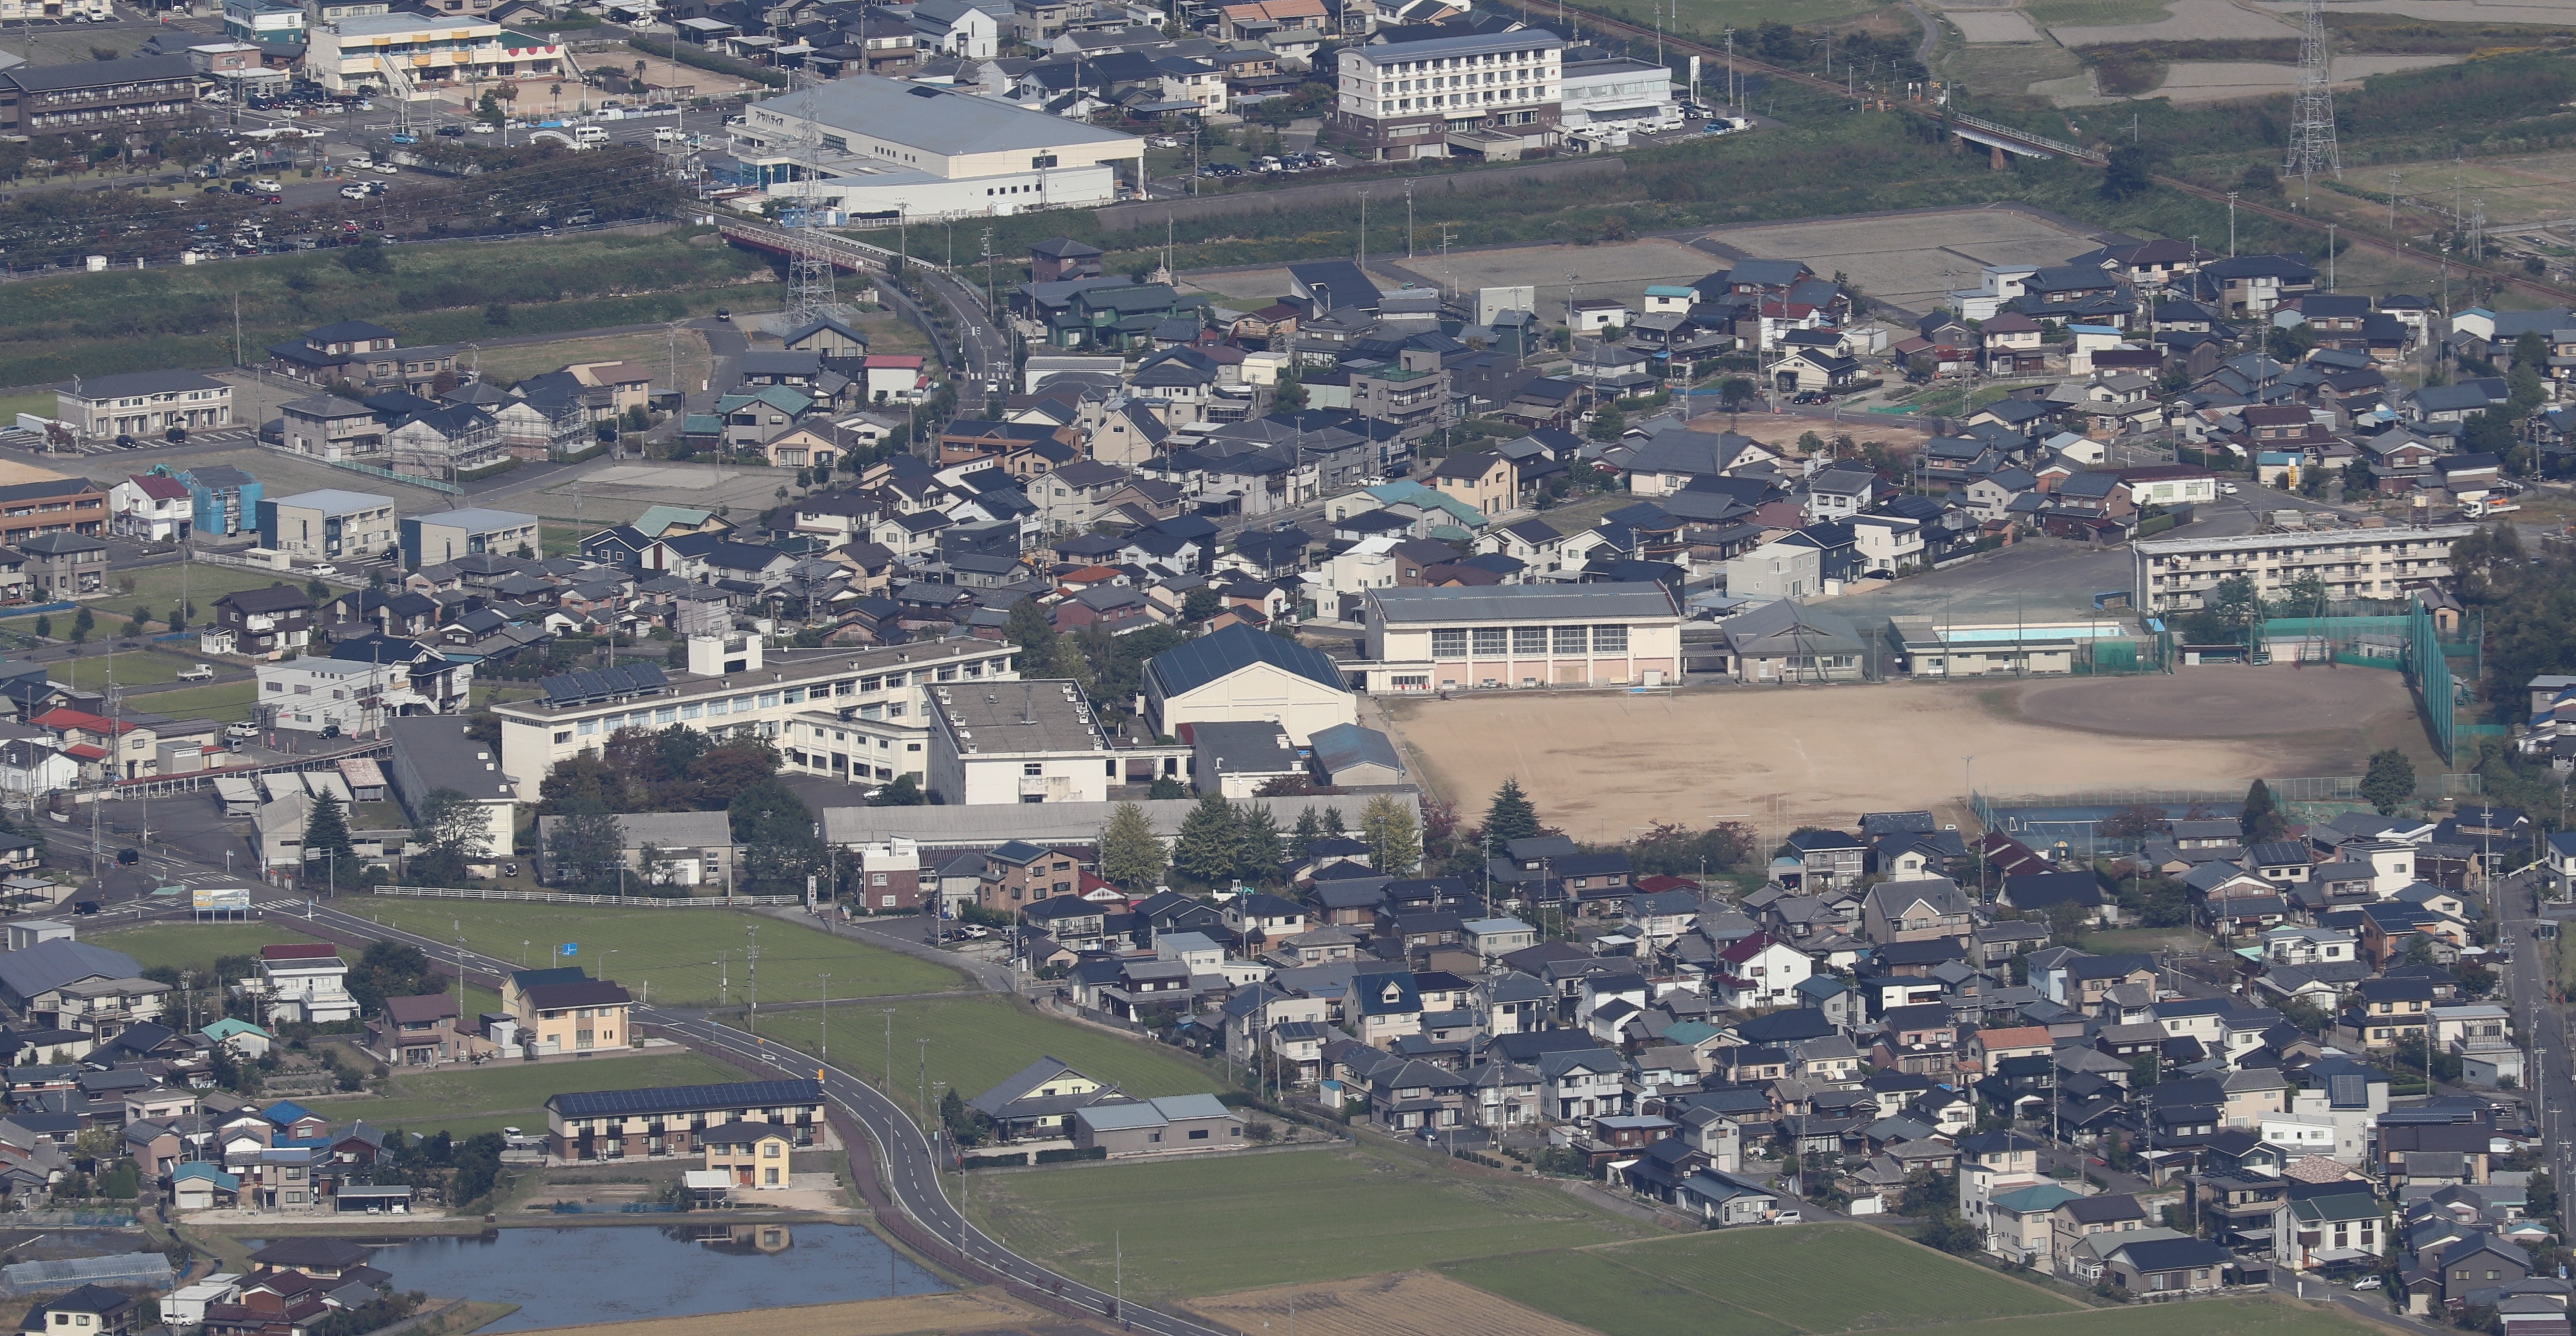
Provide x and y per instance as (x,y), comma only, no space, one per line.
(2231,224)
(1408,218)
(1364,231)
(751,967)
(826,976)
(889,1045)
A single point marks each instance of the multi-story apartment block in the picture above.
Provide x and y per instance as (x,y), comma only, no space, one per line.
(2177,574)
(1491,95)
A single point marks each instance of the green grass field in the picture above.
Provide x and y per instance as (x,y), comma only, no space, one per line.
(1612,1298)
(1820,1279)
(192,945)
(1214,1226)
(671,952)
(488,1098)
(225,702)
(975,1042)
(133,668)
(157,588)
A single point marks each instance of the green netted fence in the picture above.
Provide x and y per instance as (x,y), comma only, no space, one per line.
(2409,642)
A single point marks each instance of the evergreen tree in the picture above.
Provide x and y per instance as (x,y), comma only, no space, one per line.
(1131,855)
(1260,856)
(587,847)
(1166,789)
(905,791)
(453,832)
(1394,836)
(1029,629)
(776,831)
(2390,781)
(1333,824)
(2261,819)
(326,833)
(1510,817)
(1310,828)
(1211,842)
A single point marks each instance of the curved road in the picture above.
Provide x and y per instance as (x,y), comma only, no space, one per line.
(908,1163)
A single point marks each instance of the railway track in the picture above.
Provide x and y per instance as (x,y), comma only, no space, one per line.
(2042,146)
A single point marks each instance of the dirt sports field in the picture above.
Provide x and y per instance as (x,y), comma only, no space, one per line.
(1601,764)
(981,1311)
(1414,1303)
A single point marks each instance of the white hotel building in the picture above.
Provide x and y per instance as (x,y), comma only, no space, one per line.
(1491,95)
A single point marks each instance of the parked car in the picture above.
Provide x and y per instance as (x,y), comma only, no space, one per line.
(265,185)
(973,930)
(1811,397)
(2227,489)
(244,732)
(203,672)
(2367,1283)
(325,568)
(176,435)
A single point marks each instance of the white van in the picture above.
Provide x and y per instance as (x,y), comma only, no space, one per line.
(589,134)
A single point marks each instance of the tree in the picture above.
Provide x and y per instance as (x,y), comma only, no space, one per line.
(2135,821)
(905,791)
(1309,829)
(2261,819)
(587,848)
(1210,846)
(1608,425)
(1166,789)
(1289,395)
(2236,601)
(82,625)
(1510,816)
(1201,603)
(2129,174)
(1131,854)
(1733,393)
(2304,595)
(775,828)
(453,832)
(326,834)
(1260,855)
(1394,837)
(2390,781)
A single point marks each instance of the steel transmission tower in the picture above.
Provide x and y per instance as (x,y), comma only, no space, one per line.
(809,258)
(2312,126)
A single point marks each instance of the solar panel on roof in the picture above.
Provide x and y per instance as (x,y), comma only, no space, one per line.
(595,684)
(596,1103)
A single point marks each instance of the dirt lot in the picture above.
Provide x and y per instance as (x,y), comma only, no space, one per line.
(620,492)
(2227,80)
(283,474)
(1910,261)
(1415,1303)
(2184,20)
(1602,764)
(2448,11)
(965,1311)
(1624,270)
(515,362)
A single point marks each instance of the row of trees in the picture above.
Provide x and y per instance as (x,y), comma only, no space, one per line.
(1222,841)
